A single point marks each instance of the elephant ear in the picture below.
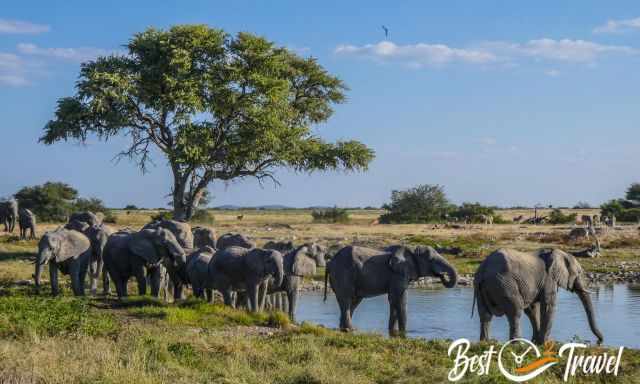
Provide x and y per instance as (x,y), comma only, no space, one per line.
(559,268)
(303,265)
(255,261)
(141,245)
(71,244)
(398,260)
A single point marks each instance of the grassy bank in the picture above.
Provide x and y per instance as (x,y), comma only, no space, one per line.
(144,341)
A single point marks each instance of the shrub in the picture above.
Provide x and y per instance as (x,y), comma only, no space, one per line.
(203,216)
(130,207)
(162,215)
(629,215)
(51,201)
(92,204)
(331,215)
(582,205)
(422,204)
(612,207)
(110,217)
(473,212)
(557,217)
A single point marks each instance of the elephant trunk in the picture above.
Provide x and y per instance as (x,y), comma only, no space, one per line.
(41,260)
(583,294)
(447,273)
(278,274)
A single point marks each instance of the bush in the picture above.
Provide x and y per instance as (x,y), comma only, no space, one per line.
(51,201)
(203,216)
(631,215)
(557,217)
(110,218)
(331,215)
(582,205)
(474,212)
(130,207)
(422,204)
(92,204)
(162,215)
(612,207)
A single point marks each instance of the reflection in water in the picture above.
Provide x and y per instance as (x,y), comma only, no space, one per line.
(446,313)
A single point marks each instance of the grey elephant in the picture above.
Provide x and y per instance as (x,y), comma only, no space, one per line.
(9,214)
(66,251)
(203,237)
(98,235)
(234,240)
(298,264)
(316,251)
(357,272)
(238,269)
(27,222)
(509,282)
(197,272)
(128,255)
(86,217)
(180,229)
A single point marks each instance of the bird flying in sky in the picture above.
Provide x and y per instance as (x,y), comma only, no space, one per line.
(386,32)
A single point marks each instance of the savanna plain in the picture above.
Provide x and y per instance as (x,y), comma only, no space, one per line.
(142,340)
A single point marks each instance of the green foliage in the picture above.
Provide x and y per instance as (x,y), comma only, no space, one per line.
(203,216)
(130,207)
(631,215)
(472,212)
(633,193)
(582,205)
(472,246)
(110,217)
(422,204)
(51,201)
(162,215)
(330,215)
(612,207)
(24,316)
(92,204)
(218,107)
(557,217)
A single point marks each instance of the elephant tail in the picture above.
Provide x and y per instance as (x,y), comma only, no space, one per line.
(326,277)
(473,303)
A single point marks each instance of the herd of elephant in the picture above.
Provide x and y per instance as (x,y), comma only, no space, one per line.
(170,254)
(10,215)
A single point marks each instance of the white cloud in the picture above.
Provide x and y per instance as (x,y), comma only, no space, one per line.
(12,70)
(552,72)
(567,50)
(417,55)
(506,54)
(71,54)
(22,27)
(618,26)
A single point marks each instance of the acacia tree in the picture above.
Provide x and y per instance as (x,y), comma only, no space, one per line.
(218,107)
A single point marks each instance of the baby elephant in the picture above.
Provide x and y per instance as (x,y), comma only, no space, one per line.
(509,282)
(27,221)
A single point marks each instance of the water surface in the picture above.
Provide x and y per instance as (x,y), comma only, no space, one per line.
(445,313)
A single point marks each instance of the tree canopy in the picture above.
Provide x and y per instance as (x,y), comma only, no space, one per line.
(633,193)
(420,204)
(218,107)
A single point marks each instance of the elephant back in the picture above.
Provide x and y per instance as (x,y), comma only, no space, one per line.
(234,240)
(72,244)
(181,230)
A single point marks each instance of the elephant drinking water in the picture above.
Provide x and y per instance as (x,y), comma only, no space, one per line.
(356,273)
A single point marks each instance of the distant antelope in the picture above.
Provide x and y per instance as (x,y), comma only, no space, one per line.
(240,217)
(518,219)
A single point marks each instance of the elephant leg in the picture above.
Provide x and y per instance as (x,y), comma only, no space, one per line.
(74,273)
(485,319)
(121,287)
(285,302)
(252,296)
(106,290)
(209,295)
(94,273)
(513,316)
(228,297)
(53,277)
(177,291)
(547,310)
(142,282)
(292,296)
(262,295)
(398,305)
(155,277)
(393,317)
(533,313)
(345,314)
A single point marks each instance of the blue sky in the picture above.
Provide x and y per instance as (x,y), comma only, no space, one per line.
(501,102)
